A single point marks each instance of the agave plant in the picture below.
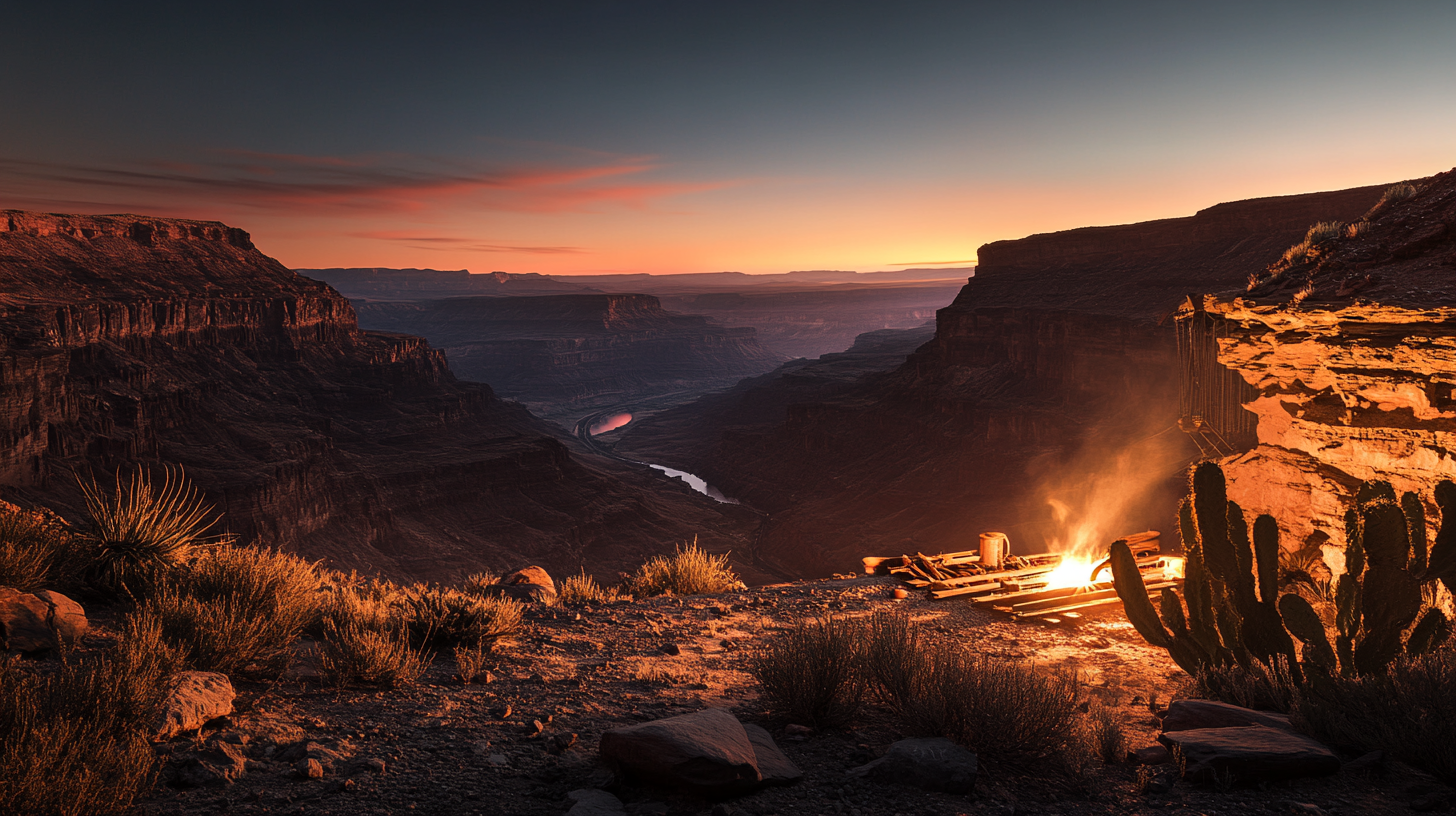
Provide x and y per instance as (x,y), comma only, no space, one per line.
(141,529)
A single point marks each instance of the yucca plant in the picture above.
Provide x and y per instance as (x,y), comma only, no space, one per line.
(140,530)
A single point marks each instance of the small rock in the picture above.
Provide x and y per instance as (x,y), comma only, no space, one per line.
(1187,715)
(66,618)
(223,763)
(1305,808)
(504,712)
(793,730)
(375,766)
(1252,752)
(1371,763)
(900,593)
(23,624)
(773,765)
(309,768)
(591,802)
(707,751)
(497,760)
(562,742)
(934,764)
(537,726)
(670,649)
(193,699)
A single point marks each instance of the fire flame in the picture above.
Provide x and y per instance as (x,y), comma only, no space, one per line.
(1074,571)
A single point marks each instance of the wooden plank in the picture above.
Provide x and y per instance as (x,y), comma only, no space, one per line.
(955,587)
(1090,603)
(1045,564)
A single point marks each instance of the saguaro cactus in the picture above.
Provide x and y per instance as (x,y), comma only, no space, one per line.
(1234,612)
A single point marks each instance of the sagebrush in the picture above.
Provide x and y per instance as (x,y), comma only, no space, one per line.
(37,550)
(814,673)
(691,570)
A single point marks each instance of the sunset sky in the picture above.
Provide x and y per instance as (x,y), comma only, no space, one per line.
(705,136)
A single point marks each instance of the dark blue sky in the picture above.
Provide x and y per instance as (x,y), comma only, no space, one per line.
(694,136)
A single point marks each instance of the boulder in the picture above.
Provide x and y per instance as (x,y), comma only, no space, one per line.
(23,625)
(1152,755)
(592,802)
(707,752)
(529,584)
(773,765)
(933,764)
(222,763)
(193,699)
(1250,753)
(66,618)
(1187,715)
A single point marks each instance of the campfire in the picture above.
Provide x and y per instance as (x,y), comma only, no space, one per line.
(1052,586)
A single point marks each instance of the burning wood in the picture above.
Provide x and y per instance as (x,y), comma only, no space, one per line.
(1041,586)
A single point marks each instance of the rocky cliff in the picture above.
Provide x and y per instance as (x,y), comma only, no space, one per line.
(127,340)
(564,353)
(1351,342)
(377,283)
(1052,377)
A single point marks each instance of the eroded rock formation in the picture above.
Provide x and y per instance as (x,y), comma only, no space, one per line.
(1353,350)
(127,340)
(572,352)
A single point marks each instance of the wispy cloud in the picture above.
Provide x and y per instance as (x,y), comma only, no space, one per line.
(384,183)
(453,244)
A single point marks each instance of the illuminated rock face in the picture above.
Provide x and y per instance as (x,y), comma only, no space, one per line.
(1349,394)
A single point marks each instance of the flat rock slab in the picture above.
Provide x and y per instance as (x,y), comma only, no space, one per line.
(593,802)
(1250,753)
(933,764)
(707,752)
(23,625)
(67,619)
(194,698)
(775,767)
(1187,715)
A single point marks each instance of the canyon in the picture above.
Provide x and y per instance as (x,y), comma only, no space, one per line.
(1045,406)
(128,341)
(560,355)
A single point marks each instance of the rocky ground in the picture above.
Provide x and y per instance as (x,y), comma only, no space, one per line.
(520,741)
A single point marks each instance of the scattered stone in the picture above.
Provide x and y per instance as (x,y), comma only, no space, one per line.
(1188,715)
(222,763)
(901,594)
(375,766)
(1371,763)
(66,617)
(537,726)
(793,730)
(532,584)
(670,649)
(504,712)
(773,765)
(1250,753)
(707,751)
(592,802)
(309,768)
(497,760)
(1151,755)
(560,743)
(934,764)
(23,626)
(194,699)
(1305,808)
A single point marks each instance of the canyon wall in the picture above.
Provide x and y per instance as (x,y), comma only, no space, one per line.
(1052,376)
(1353,350)
(129,341)
(568,353)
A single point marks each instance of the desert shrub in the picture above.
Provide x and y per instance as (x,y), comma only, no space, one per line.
(1297,253)
(1393,194)
(480,583)
(470,661)
(440,617)
(813,674)
(1255,686)
(1357,229)
(1409,711)
(999,707)
(1106,733)
(236,609)
(37,550)
(351,654)
(892,643)
(75,742)
(1324,231)
(580,589)
(140,532)
(689,571)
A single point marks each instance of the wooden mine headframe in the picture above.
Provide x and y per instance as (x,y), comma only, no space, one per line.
(1211,396)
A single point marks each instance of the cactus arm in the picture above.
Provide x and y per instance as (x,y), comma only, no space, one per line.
(1172,610)
(1198,594)
(1134,594)
(1303,622)
(1384,536)
(1354,547)
(1242,581)
(1442,562)
(1429,634)
(1266,557)
(1390,601)
(1210,510)
(1415,524)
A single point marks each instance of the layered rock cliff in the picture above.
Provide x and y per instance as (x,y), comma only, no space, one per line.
(1052,377)
(567,353)
(1352,345)
(128,341)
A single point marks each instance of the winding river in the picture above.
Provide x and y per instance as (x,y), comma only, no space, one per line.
(604,422)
